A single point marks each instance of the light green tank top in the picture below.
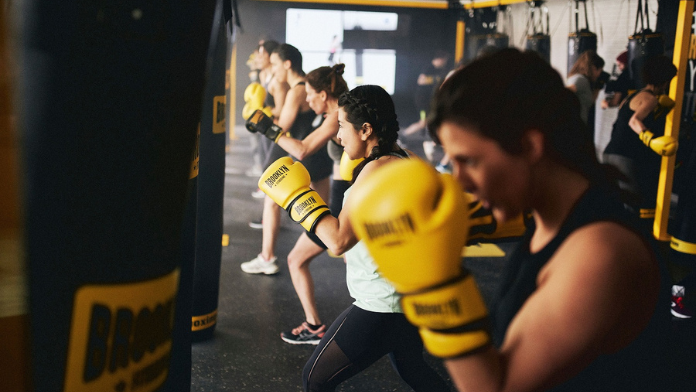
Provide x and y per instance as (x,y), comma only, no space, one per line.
(369,289)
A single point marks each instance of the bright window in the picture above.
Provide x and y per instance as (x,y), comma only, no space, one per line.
(318,34)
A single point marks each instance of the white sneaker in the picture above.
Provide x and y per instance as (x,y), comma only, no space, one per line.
(258,194)
(260,266)
(254,172)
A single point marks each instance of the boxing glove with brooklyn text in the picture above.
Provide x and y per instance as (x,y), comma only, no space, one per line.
(287,183)
(414,222)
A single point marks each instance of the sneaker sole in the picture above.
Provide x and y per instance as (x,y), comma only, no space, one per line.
(261,272)
(312,342)
(679,315)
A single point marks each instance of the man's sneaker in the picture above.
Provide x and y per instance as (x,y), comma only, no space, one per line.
(256,224)
(259,265)
(258,194)
(304,334)
(678,308)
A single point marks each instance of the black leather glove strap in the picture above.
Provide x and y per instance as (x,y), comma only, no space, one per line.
(261,123)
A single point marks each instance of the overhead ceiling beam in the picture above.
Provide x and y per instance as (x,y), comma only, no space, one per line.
(434,4)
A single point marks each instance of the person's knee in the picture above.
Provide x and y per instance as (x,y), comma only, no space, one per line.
(311,384)
(295,261)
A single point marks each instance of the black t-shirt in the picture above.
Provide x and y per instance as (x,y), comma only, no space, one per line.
(424,92)
(621,85)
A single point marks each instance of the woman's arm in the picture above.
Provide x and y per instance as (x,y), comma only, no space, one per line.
(583,307)
(301,149)
(642,105)
(278,91)
(337,233)
(291,107)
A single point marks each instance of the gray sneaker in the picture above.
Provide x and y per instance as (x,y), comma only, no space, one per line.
(260,266)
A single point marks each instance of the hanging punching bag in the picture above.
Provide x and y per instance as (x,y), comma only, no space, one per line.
(498,39)
(579,42)
(582,39)
(211,182)
(480,22)
(540,43)
(538,39)
(643,44)
(111,98)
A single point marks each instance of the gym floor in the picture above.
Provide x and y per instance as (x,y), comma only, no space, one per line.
(246,353)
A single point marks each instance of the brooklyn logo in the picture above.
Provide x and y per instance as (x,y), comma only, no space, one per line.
(402,224)
(443,309)
(270,181)
(300,208)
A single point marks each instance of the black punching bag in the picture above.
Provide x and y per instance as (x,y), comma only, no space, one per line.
(538,38)
(111,97)
(497,39)
(540,43)
(211,182)
(580,40)
(642,45)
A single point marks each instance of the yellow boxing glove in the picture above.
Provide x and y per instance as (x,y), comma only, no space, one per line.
(287,183)
(414,222)
(254,97)
(664,145)
(347,166)
(665,104)
(484,227)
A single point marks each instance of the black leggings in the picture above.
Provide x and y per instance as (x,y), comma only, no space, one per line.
(357,339)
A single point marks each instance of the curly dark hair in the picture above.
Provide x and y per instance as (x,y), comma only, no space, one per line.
(658,70)
(373,105)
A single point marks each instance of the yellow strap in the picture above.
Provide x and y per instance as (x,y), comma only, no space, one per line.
(446,307)
(448,345)
(482,250)
(683,246)
(204,321)
(647,213)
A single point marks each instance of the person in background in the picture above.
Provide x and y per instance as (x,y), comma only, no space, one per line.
(586,78)
(428,82)
(564,318)
(275,97)
(324,86)
(616,90)
(297,118)
(373,326)
(630,149)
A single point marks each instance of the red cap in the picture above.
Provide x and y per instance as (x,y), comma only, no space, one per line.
(623,58)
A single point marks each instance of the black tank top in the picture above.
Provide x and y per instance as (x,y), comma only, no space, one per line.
(638,367)
(624,141)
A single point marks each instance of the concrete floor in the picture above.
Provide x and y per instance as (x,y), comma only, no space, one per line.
(246,353)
